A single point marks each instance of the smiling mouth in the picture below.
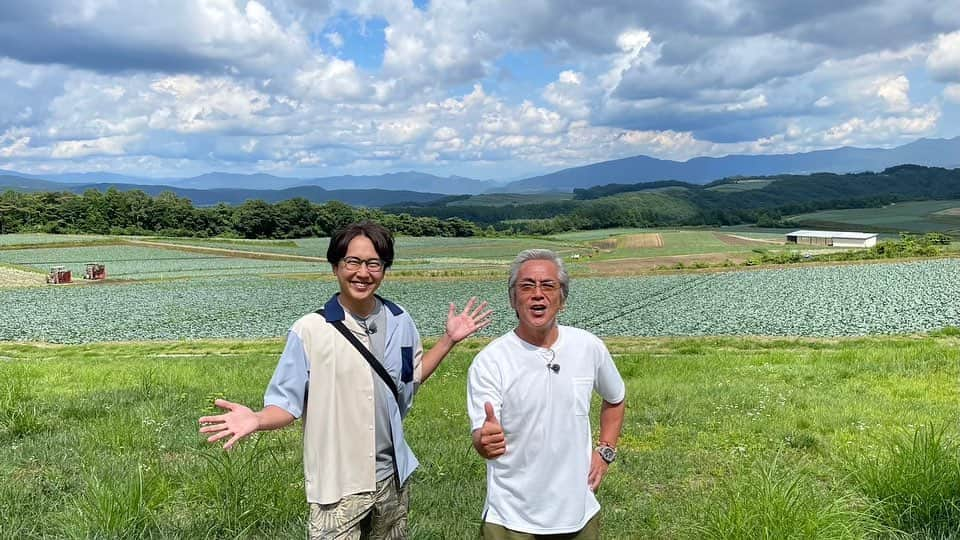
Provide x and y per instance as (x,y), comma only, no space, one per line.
(538,309)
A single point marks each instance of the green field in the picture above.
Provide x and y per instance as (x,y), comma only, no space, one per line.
(141,262)
(723,438)
(507,199)
(803,300)
(916,217)
(628,243)
(409,249)
(19,240)
(746,184)
(428,256)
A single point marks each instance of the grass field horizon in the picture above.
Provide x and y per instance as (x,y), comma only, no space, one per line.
(723,437)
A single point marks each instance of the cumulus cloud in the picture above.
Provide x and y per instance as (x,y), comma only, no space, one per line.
(302,87)
(882,129)
(895,93)
(331,80)
(115,146)
(944,61)
(174,36)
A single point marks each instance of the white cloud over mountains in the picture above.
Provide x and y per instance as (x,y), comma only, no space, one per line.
(303,88)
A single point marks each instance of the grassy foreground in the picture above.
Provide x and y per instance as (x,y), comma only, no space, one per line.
(724,438)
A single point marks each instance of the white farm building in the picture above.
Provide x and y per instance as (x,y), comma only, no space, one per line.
(833,238)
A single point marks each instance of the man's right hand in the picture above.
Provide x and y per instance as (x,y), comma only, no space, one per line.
(489,440)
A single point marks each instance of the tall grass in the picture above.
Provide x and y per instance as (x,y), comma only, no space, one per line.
(723,438)
(913,479)
(117,504)
(772,501)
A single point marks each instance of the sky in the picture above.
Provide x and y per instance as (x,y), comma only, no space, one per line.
(485,89)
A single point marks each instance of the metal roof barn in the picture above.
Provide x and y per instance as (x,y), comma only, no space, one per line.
(832,238)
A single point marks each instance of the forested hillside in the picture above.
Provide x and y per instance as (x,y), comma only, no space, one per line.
(764,201)
(136,213)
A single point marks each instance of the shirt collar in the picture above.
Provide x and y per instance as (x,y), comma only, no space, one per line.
(333,311)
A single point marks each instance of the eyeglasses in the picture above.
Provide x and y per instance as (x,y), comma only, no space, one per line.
(527,287)
(354,263)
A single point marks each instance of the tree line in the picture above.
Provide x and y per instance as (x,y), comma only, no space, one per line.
(116,212)
(673,203)
(657,204)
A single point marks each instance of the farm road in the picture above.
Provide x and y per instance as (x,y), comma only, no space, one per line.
(227,252)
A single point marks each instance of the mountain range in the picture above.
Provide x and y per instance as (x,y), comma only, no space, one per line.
(211,197)
(702,170)
(393,188)
(401,181)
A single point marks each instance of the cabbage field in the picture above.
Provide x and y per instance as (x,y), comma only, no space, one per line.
(138,262)
(850,300)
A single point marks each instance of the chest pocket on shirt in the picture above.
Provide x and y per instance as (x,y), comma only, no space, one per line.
(582,391)
(406,371)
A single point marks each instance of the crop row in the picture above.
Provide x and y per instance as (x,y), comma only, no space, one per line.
(136,262)
(407,248)
(818,301)
(19,239)
(143,262)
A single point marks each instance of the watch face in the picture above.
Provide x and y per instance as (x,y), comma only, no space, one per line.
(608,454)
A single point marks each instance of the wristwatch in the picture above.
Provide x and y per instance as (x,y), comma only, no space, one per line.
(607,452)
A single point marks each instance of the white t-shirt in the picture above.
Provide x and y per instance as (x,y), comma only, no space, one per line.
(539,486)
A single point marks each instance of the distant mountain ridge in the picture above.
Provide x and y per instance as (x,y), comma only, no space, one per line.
(401,181)
(211,197)
(702,170)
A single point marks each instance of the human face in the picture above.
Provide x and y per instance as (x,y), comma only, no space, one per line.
(357,286)
(537,307)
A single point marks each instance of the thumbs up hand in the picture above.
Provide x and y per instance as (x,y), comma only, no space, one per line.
(488,440)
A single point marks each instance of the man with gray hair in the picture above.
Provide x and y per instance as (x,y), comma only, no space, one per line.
(528,396)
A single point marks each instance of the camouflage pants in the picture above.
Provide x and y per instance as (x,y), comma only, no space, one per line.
(379,515)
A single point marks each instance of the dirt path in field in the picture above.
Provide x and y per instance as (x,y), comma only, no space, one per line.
(630,241)
(646,240)
(10,277)
(627,267)
(226,252)
(737,240)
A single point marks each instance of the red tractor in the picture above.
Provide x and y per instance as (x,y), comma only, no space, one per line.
(95,271)
(58,274)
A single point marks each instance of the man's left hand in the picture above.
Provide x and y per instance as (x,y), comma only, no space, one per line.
(462,325)
(598,469)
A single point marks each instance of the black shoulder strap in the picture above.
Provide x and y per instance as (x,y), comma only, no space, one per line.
(371,359)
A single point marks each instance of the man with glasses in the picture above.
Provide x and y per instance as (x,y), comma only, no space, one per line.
(528,396)
(361,359)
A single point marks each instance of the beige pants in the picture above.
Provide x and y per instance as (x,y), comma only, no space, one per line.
(380,515)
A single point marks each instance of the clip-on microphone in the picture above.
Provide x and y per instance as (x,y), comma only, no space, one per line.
(550,364)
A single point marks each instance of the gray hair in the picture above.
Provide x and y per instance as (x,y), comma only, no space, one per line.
(538,255)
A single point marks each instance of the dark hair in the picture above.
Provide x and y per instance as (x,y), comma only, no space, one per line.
(381,238)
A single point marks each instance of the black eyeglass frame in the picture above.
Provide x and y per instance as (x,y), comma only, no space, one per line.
(373,265)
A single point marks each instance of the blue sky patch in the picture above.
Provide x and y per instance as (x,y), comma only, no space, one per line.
(363,40)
